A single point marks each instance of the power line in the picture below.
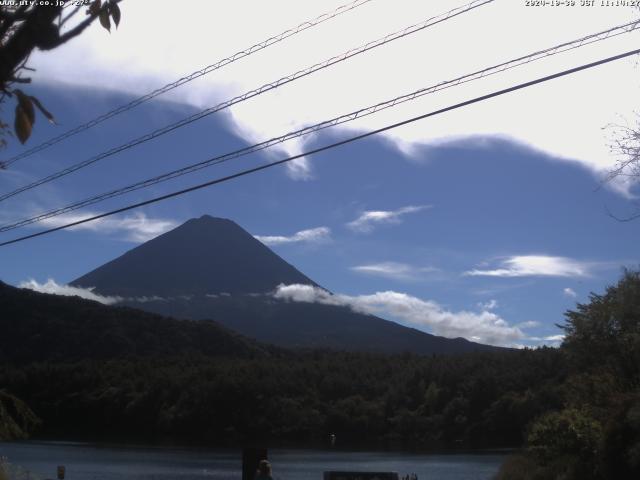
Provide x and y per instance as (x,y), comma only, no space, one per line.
(526,59)
(327,147)
(253,93)
(192,76)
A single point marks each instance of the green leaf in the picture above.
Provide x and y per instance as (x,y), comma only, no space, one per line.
(44,111)
(104,20)
(22,124)
(114,9)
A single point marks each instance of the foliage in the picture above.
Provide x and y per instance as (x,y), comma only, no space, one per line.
(570,436)
(520,467)
(9,471)
(17,420)
(26,26)
(596,435)
(364,399)
(604,335)
(620,455)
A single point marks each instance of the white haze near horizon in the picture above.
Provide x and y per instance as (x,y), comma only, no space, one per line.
(160,41)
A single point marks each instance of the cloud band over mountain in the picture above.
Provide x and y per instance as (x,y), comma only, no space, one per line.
(484,327)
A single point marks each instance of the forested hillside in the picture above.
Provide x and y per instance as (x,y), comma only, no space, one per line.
(476,400)
(17,421)
(575,410)
(51,328)
(89,370)
(596,432)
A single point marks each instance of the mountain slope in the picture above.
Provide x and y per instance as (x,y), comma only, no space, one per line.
(308,325)
(211,268)
(202,256)
(41,327)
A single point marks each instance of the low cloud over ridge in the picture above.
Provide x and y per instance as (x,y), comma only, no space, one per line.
(483,327)
(54,288)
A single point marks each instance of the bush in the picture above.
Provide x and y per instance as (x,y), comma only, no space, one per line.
(17,421)
(569,433)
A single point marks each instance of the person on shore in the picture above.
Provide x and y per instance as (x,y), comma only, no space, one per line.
(264,471)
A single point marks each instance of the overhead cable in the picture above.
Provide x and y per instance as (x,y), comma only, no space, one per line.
(326,147)
(360,113)
(253,93)
(188,78)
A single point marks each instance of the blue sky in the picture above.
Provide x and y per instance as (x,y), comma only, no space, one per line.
(491,235)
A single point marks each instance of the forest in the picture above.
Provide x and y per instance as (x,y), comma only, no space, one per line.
(573,412)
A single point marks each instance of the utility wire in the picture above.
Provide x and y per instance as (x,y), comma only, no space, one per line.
(327,147)
(253,93)
(192,76)
(541,54)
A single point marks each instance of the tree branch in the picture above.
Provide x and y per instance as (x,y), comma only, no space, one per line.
(78,29)
(75,10)
(622,219)
(33,32)
(74,32)
(19,14)
(20,80)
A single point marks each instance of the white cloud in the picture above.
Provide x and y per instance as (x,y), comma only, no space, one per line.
(146,299)
(134,228)
(490,305)
(368,220)
(54,288)
(140,56)
(484,327)
(570,292)
(312,235)
(393,270)
(554,338)
(218,295)
(549,340)
(297,292)
(535,265)
(528,324)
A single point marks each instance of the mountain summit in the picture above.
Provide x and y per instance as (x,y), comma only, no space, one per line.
(205,255)
(211,268)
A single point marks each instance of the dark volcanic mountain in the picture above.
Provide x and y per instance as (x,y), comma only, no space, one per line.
(211,268)
(203,256)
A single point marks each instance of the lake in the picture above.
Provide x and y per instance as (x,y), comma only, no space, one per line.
(101,462)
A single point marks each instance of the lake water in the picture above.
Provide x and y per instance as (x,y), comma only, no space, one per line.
(96,462)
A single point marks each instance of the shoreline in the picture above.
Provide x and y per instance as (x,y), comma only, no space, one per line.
(129,445)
